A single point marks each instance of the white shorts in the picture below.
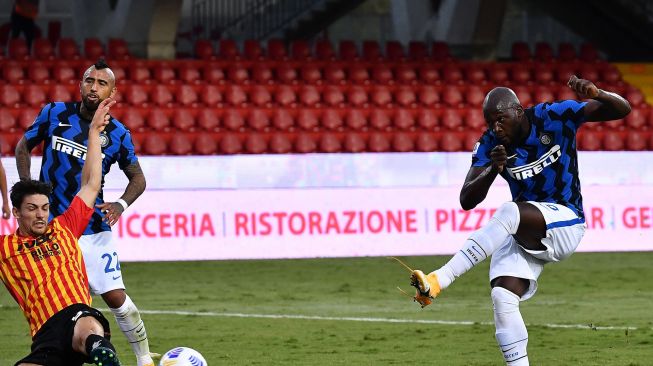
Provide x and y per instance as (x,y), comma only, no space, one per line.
(102,265)
(564,230)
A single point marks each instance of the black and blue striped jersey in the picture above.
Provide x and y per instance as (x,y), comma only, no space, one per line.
(64,134)
(545,167)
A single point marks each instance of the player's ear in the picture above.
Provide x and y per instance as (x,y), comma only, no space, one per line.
(16,213)
(114,90)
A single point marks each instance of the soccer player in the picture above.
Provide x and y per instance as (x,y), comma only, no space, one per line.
(63,129)
(42,267)
(534,150)
(3,190)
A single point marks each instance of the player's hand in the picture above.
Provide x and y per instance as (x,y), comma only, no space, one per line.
(101,117)
(499,158)
(585,89)
(6,212)
(112,212)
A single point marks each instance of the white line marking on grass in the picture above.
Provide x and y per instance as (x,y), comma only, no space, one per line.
(371,320)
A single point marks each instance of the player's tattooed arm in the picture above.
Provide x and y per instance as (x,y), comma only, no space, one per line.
(479,179)
(135,187)
(23,159)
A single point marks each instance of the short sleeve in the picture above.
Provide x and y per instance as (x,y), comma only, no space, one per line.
(126,155)
(481,151)
(76,217)
(39,130)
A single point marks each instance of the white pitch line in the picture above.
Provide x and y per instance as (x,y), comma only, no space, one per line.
(370,320)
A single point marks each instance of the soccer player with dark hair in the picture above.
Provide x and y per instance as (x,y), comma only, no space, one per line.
(42,267)
(63,130)
(534,150)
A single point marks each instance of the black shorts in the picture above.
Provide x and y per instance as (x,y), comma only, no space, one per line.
(52,344)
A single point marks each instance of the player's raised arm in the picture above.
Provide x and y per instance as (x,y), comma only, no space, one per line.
(92,170)
(603,105)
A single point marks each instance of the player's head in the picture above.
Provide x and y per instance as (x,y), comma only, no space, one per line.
(504,114)
(31,201)
(98,84)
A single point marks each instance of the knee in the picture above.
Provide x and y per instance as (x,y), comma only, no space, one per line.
(84,327)
(115,298)
(508,215)
(504,300)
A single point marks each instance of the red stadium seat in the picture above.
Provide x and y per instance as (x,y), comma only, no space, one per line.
(311,74)
(452,119)
(354,143)
(637,140)
(588,53)
(183,119)
(610,75)
(211,96)
(93,49)
(213,74)
(17,49)
(417,51)
(260,96)
(8,121)
(203,49)
(26,118)
(347,50)
(394,51)
(382,74)
(356,119)
(35,95)
(380,120)
(262,73)
(287,74)
(277,49)
(255,143)
(324,50)
(13,73)
(134,119)
(42,49)
(402,142)
(140,73)
(589,72)
(452,74)
(283,120)
(9,96)
(371,51)
(470,139)
(332,119)
(451,142)
(67,49)
(452,97)
(635,97)
(474,74)
(521,75)
(154,144)
(206,144)
(180,144)
(280,143)
(428,96)
(333,96)
(235,95)
(589,140)
(164,73)
(189,73)
(405,97)
(186,95)
(252,50)
(237,73)
(358,73)
(229,50)
(542,95)
(334,74)
(613,141)
(475,120)
(543,74)
(498,74)
(566,52)
(159,120)
(381,96)
(285,96)
(524,95)
(307,119)
(300,50)
(329,143)
(65,74)
(357,96)
(425,142)
(230,144)
(406,74)
(309,96)
(543,52)
(427,120)
(617,124)
(637,118)
(565,93)
(404,119)
(474,96)
(161,96)
(378,142)
(233,120)
(305,143)
(520,51)
(38,73)
(440,51)
(258,120)
(208,119)
(118,49)
(60,93)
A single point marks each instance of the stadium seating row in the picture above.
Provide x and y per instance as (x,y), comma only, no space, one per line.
(544,51)
(289,96)
(66,49)
(180,72)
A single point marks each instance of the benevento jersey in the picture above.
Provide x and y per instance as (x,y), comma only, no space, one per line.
(64,134)
(545,167)
(47,274)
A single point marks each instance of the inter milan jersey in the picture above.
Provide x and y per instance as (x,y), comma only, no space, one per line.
(65,134)
(545,167)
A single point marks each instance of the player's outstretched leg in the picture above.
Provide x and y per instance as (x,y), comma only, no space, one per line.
(480,245)
(130,323)
(511,333)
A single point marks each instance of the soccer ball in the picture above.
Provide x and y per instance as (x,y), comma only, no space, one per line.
(182,356)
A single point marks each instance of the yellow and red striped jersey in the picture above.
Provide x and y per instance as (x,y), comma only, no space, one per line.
(47,273)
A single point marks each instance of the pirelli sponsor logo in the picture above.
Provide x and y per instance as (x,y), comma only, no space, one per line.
(536,167)
(71,148)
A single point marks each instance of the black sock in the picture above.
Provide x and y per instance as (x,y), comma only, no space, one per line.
(93,341)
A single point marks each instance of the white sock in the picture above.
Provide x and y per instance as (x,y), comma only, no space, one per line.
(129,321)
(511,332)
(481,244)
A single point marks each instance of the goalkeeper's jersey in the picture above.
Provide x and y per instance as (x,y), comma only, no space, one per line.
(64,134)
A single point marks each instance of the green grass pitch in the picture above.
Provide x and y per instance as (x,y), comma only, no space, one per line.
(592,309)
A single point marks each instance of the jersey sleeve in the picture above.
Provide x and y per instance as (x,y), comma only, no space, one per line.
(481,152)
(76,217)
(39,130)
(126,155)
(568,110)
